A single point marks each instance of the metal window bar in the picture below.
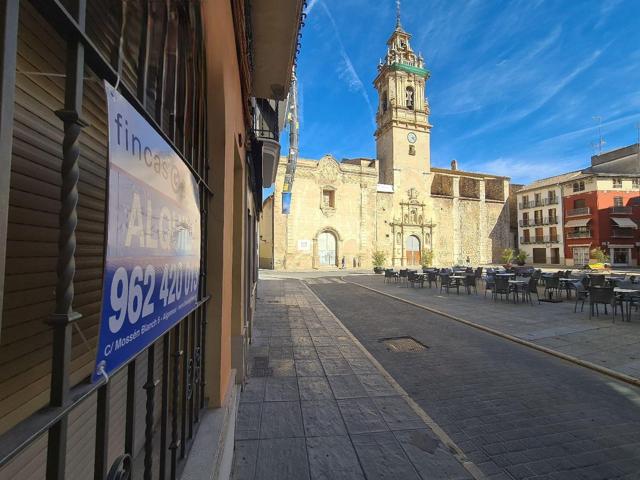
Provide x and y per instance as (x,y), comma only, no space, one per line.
(186,398)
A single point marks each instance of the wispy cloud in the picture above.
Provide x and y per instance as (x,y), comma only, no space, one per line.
(310,6)
(541,96)
(347,72)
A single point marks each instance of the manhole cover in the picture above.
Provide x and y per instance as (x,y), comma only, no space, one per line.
(261,367)
(403,344)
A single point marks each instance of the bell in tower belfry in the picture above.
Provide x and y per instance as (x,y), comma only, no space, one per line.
(402,120)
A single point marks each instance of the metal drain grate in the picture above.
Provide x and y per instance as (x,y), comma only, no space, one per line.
(261,367)
(403,344)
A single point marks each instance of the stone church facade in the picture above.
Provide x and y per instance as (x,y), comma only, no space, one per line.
(396,203)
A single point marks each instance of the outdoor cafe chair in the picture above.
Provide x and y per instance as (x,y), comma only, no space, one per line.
(597,280)
(531,287)
(416,279)
(582,294)
(489,284)
(432,277)
(389,275)
(469,283)
(603,296)
(502,287)
(551,284)
(447,282)
(478,273)
(402,275)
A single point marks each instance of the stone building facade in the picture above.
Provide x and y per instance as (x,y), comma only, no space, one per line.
(396,203)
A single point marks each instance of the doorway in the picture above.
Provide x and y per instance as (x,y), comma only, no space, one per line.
(327,249)
(412,249)
(540,255)
(580,256)
(555,256)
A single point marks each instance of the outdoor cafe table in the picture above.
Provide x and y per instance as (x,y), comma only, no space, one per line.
(518,284)
(505,274)
(564,282)
(457,278)
(627,294)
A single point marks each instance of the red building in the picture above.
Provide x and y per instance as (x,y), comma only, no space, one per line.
(602,209)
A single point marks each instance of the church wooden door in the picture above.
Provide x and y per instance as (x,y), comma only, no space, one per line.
(327,249)
(412,250)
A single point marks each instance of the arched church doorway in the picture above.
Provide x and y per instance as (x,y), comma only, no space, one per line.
(327,249)
(412,250)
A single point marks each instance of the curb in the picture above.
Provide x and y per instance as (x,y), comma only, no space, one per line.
(577,361)
(446,440)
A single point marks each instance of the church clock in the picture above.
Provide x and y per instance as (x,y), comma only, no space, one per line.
(412,137)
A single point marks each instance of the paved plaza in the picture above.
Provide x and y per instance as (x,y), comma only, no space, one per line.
(516,412)
(599,340)
(317,407)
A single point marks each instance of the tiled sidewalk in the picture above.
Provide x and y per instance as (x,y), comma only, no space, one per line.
(599,340)
(316,407)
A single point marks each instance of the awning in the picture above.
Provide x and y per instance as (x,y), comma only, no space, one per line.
(625,222)
(581,222)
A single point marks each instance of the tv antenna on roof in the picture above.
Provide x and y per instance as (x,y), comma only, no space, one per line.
(597,146)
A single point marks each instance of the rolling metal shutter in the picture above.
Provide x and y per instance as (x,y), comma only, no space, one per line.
(25,348)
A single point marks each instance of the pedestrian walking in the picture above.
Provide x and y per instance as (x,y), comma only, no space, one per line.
(344,263)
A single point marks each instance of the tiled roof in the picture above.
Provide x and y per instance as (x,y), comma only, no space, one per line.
(546,182)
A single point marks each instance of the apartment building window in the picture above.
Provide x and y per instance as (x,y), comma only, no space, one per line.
(537,199)
(527,237)
(578,186)
(553,234)
(617,202)
(538,217)
(539,235)
(552,216)
(525,219)
(579,203)
(329,198)
(636,183)
(525,201)
(617,183)
(552,197)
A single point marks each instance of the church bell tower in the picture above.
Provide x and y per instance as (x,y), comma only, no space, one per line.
(402,120)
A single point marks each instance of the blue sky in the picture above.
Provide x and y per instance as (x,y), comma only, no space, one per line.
(514,84)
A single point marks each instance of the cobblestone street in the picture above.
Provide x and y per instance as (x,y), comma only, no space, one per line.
(517,413)
(317,407)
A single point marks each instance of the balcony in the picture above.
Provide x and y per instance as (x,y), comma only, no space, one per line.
(622,233)
(539,221)
(579,234)
(539,203)
(538,240)
(578,211)
(623,210)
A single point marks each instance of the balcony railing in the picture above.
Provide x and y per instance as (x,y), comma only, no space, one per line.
(539,203)
(579,234)
(578,211)
(623,210)
(539,221)
(623,233)
(539,239)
